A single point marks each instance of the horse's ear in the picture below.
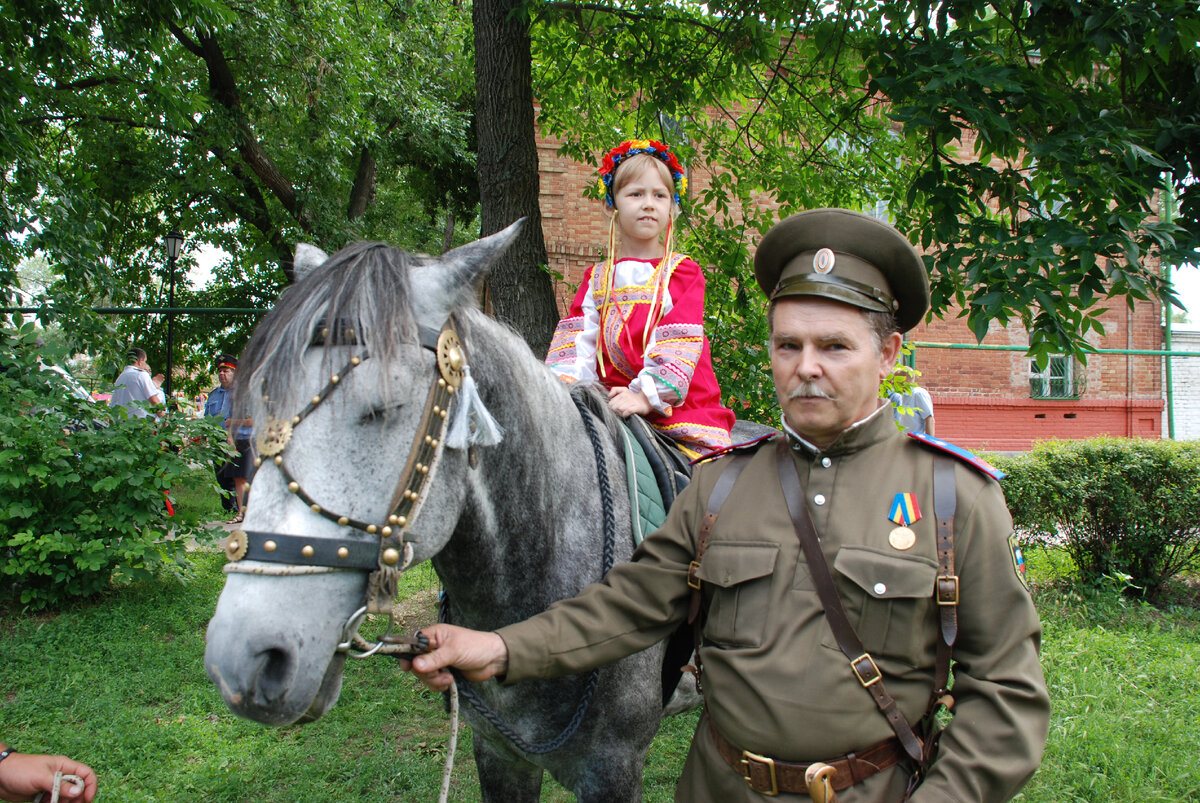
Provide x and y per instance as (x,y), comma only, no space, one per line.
(307,258)
(471,261)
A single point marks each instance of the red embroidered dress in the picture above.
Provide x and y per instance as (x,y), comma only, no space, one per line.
(670,364)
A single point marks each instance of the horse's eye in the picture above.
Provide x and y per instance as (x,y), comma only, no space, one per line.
(378,414)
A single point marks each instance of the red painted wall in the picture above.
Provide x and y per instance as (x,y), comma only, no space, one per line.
(1008,425)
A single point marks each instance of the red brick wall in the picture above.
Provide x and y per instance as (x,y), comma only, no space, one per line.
(982,399)
(1015,424)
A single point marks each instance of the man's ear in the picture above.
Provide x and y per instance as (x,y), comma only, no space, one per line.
(889,352)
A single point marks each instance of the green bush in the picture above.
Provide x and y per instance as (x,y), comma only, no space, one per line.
(1123,508)
(82,486)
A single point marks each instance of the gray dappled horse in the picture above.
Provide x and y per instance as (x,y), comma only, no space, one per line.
(510,527)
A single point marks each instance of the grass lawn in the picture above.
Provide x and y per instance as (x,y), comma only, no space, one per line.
(119,683)
(202,495)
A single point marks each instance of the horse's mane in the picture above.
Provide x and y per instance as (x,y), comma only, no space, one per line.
(595,399)
(365,287)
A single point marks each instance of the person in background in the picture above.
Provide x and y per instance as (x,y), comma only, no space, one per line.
(636,325)
(219,404)
(238,430)
(913,410)
(136,385)
(24,776)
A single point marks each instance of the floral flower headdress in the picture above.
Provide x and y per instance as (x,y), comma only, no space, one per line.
(632,147)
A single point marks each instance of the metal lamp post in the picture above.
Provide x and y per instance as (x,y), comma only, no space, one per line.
(174,245)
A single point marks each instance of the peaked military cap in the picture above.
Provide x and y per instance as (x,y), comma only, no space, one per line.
(848,257)
(226,360)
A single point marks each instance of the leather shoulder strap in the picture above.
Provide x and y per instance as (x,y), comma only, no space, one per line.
(720,492)
(716,499)
(861,662)
(945,498)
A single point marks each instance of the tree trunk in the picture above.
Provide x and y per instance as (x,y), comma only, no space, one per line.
(519,289)
(363,191)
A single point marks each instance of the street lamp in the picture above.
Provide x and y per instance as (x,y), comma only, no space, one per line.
(174,245)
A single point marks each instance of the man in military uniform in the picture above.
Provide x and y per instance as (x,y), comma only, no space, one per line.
(790,705)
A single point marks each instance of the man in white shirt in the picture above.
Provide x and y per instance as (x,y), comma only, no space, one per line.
(913,410)
(135,384)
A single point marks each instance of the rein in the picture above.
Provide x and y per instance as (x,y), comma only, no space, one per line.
(386,559)
(467,691)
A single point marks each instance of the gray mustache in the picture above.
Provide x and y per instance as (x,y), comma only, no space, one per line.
(809,390)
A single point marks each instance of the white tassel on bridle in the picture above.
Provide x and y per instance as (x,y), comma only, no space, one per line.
(472,423)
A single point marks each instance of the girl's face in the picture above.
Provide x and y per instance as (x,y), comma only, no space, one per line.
(643,207)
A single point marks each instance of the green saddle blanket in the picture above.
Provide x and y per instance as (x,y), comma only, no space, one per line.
(647,510)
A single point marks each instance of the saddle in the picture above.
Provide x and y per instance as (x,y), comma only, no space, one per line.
(656,471)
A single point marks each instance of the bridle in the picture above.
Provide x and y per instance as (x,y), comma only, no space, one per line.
(287,555)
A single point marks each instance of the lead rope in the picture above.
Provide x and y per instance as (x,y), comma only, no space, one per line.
(58,779)
(452,747)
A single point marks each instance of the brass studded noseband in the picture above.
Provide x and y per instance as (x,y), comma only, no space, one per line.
(390,556)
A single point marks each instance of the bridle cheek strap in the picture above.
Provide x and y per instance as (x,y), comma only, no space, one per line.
(410,492)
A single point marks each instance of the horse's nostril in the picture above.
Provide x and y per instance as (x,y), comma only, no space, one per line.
(273,677)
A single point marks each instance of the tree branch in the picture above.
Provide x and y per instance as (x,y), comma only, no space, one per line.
(575,8)
(254,210)
(224,90)
(105,118)
(87,83)
(182,37)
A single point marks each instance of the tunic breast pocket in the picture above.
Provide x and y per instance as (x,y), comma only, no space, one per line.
(738,575)
(889,600)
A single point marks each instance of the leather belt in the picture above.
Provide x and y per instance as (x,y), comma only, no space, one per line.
(769,776)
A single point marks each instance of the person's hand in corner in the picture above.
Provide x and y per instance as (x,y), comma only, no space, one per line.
(24,775)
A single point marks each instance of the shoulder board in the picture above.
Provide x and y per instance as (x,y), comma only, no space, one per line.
(746,447)
(977,463)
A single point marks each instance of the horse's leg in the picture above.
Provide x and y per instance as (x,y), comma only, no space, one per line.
(503,779)
(611,776)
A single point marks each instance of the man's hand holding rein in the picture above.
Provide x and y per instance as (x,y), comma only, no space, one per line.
(478,655)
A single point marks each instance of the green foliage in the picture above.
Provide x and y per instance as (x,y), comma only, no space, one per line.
(1124,509)
(1025,144)
(1074,112)
(247,126)
(82,486)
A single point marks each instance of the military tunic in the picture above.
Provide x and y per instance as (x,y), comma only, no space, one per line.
(775,681)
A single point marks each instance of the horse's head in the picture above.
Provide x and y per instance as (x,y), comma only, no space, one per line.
(361,398)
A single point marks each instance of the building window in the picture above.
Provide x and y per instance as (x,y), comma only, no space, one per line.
(1058,380)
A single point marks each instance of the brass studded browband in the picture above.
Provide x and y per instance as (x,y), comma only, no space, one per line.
(388,553)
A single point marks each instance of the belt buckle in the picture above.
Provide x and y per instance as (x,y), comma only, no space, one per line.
(747,758)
